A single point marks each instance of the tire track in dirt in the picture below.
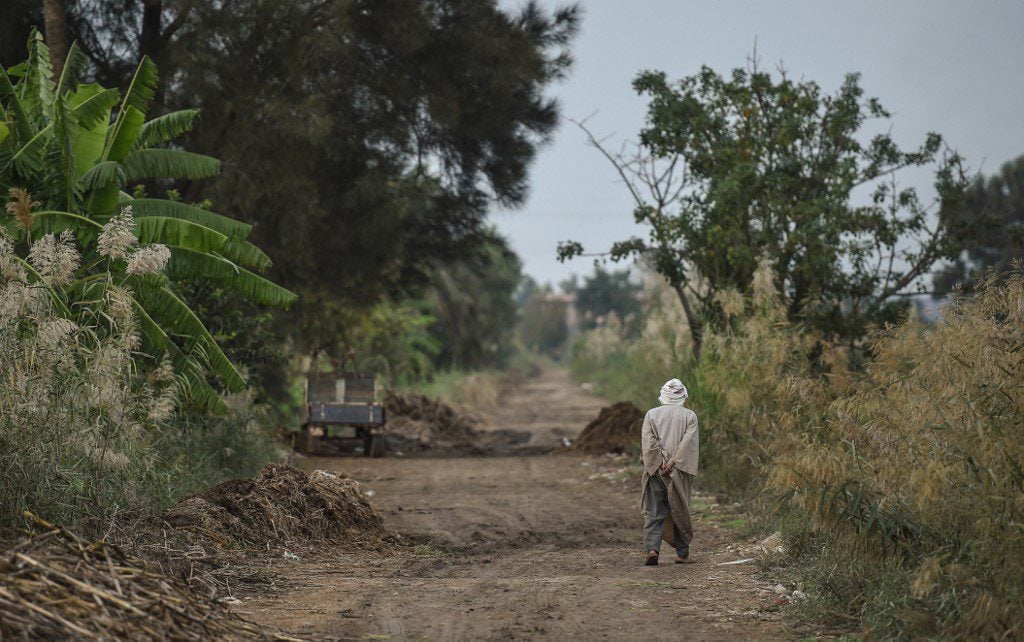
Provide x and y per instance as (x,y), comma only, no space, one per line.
(517,548)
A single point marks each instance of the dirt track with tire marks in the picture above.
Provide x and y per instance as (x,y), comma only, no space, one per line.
(527,547)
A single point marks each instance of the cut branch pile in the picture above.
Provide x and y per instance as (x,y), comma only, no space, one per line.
(427,422)
(54,585)
(281,505)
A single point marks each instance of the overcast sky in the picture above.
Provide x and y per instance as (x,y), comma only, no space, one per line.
(952,67)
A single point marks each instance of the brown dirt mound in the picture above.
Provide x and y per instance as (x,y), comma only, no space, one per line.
(615,430)
(282,504)
(56,586)
(427,422)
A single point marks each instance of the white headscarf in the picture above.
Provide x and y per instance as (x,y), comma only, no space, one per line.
(673,392)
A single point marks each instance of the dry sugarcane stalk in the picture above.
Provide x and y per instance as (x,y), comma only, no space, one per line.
(56,586)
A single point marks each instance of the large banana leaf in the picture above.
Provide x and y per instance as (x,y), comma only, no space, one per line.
(166,128)
(62,156)
(74,65)
(189,264)
(125,132)
(247,254)
(168,163)
(143,86)
(103,174)
(198,237)
(120,140)
(197,389)
(172,313)
(229,227)
(54,222)
(37,89)
(175,231)
(91,106)
(29,158)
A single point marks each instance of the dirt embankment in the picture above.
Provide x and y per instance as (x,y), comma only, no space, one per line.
(616,429)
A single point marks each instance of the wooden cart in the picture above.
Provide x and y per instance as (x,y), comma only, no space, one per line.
(346,403)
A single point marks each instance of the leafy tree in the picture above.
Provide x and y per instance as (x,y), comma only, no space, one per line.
(605,292)
(733,168)
(376,137)
(67,152)
(990,228)
(473,301)
(543,327)
(394,340)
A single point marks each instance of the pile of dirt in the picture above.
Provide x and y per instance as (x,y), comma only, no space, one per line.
(419,421)
(615,430)
(55,586)
(281,505)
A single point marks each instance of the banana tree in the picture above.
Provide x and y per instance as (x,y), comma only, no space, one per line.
(78,149)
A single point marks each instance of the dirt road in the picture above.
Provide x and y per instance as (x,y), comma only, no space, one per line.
(543,546)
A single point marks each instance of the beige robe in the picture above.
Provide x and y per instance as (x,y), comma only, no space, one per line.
(670,433)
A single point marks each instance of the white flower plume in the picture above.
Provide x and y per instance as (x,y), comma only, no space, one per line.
(150,259)
(118,235)
(56,259)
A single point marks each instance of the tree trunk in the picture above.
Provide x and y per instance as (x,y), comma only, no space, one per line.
(55,18)
(151,39)
(696,325)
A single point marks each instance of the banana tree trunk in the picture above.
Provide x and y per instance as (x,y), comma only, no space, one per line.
(55,17)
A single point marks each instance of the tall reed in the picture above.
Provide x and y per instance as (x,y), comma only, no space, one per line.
(87,429)
(899,483)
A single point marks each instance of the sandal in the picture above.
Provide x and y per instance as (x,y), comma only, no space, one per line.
(652,559)
(684,560)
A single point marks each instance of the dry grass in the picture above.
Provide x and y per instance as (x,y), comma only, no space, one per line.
(899,482)
(915,463)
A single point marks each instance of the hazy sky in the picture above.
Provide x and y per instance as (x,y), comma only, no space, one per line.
(952,67)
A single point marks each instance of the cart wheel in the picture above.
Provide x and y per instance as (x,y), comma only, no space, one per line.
(307,443)
(376,445)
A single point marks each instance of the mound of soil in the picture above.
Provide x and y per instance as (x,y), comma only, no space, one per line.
(282,504)
(615,430)
(422,422)
(58,587)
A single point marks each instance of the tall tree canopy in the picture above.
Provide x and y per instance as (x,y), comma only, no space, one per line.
(363,139)
(990,228)
(731,169)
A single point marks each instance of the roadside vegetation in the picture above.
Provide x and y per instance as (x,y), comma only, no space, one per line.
(159,308)
(886,447)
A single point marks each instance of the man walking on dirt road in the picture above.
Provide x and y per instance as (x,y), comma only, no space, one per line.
(670,452)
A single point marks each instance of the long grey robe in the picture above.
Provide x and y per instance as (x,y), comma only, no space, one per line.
(670,433)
